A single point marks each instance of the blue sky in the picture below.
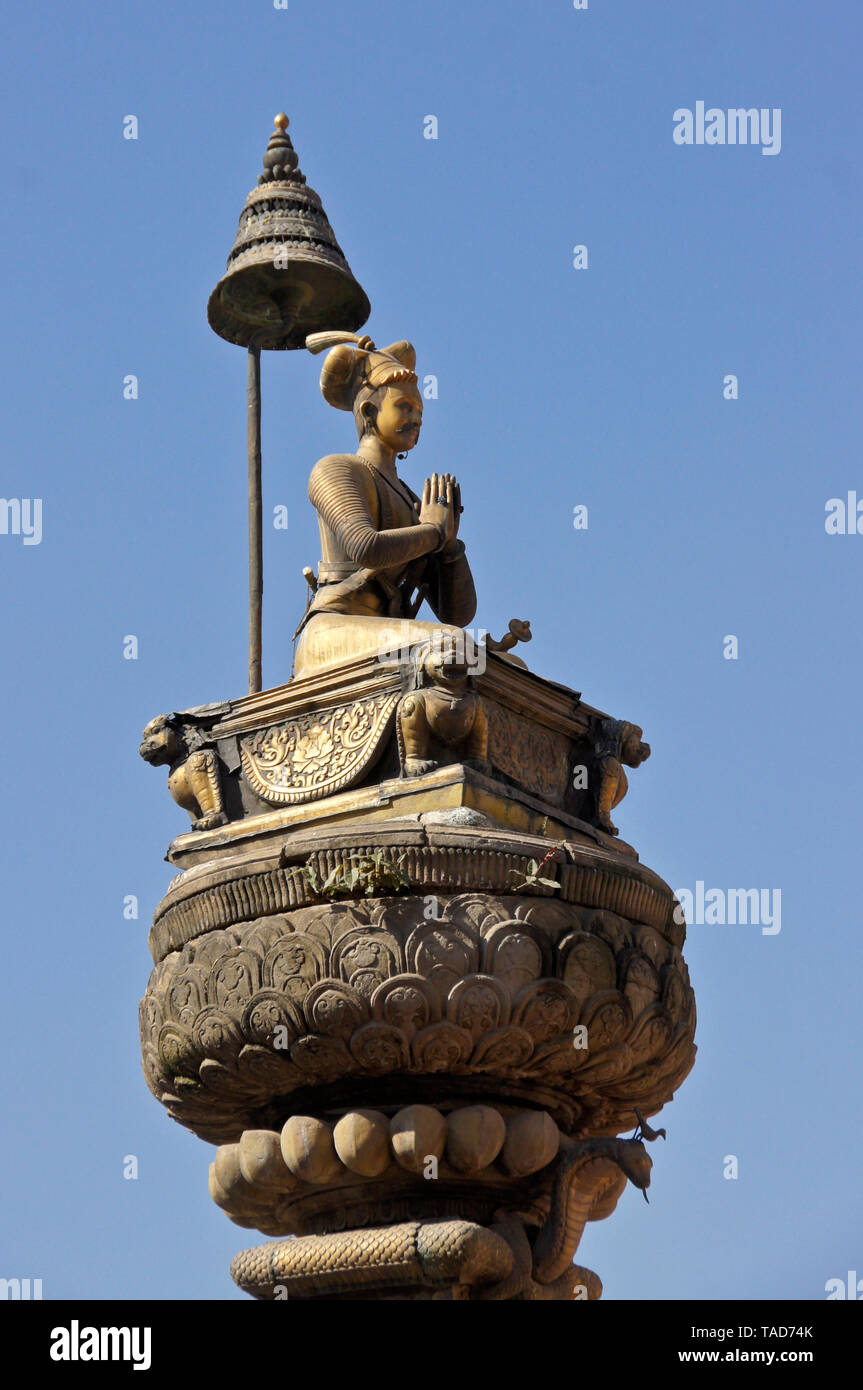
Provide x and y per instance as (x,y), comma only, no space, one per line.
(557,387)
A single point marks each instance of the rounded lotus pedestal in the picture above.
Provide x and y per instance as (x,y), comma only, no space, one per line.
(427,1083)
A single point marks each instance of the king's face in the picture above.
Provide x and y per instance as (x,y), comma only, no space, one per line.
(400,416)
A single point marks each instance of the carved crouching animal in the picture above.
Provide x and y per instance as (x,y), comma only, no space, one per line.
(443,720)
(619,743)
(193,772)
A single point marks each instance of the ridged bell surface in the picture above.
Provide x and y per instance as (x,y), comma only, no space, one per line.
(287,275)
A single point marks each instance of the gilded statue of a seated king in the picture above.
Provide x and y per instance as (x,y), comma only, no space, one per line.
(384,550)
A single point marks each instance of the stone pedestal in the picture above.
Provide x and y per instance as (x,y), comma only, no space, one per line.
(414,1013)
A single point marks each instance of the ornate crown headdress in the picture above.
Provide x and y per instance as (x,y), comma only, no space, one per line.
(352,373)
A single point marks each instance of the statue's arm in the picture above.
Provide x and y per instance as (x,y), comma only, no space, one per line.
(345,500)
(451,590)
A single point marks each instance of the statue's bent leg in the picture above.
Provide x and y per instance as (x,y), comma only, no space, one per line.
(331,638)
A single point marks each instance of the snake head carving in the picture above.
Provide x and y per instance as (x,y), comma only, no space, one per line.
(636,1163)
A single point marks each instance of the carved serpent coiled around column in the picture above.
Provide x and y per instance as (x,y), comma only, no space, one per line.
(589,1180)
(413,1253)
(498,1259)
(521,1284)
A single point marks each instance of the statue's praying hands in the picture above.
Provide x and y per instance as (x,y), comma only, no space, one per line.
(441,505)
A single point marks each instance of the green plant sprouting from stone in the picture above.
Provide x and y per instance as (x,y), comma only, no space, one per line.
(533,878)
(367,874)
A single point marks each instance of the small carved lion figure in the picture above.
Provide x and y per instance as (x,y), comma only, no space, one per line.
(444,712)
(193,773)
(619,743)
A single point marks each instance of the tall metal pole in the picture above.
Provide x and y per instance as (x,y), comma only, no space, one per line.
(256,531)
(282,213)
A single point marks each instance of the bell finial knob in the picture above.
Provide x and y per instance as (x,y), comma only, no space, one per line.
(280,160)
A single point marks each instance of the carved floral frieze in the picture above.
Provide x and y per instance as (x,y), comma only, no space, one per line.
(533,756)
(318,753)
(490,991)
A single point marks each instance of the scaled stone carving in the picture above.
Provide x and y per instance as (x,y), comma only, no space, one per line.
(439,1258)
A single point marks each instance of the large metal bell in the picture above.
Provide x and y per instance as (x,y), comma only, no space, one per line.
(287,275)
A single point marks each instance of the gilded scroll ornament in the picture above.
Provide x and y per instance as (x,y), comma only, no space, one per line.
(317,753)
